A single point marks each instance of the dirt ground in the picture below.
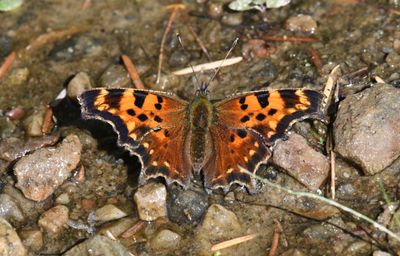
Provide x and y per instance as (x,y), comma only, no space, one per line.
(67,188)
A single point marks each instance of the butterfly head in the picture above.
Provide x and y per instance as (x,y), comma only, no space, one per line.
(203,91)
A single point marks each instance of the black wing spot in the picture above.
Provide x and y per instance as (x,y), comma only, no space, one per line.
(142,117)
(232,137)
(290,97)
(166,133)
(139,98)
(272,111)
(158,106)
(244,106)
(158,119)
(159,99)
(131,112)
(260,117)
(262,98)
(241,133)
(245,119)
(242,100)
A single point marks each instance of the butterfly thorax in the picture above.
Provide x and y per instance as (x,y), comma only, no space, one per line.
(201,116)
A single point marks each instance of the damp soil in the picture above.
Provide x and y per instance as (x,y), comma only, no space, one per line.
(55,40)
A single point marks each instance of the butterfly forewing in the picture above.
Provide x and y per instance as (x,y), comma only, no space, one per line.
(149,124)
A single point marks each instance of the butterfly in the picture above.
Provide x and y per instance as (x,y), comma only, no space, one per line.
(174,138)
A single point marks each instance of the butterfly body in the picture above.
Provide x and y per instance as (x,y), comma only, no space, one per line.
(174,138)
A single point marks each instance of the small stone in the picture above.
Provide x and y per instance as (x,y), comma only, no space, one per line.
(13,148)
(165,240)
(393,59)
(381,253)
(78,84)
(6,46)
(178,59)
(151,201)
(366,130)
(293,252)
(220,223)
(115,76)
(186,206)
(16,113)
(257,48)
(32,239)
(108,212)
(232,19)
(302,23)
(9,210)
(54,220)
(215,9)
(88,204)
(10,243)
(33,123)
(98,245)
(63,199)
(302,162)
(41,172)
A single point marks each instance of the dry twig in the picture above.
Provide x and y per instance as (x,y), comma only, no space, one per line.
(315,57)
(52,37)
(130,67)
(175,9)
(7,63)
(297,39)
(208,66)
(48,123)
(275,241)
(134,229)
(199,42)
(232,242)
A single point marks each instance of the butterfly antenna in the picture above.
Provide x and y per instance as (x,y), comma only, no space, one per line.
(222,63)
(190,64)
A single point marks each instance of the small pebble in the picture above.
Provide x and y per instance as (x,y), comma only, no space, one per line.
(98,245)
(9,210)
(393,59)
(108,212)
(88,204)
(78,84)
(234,19)
(63,199)
(302,23)
(215,9)
(16,113)
(257,48)
(151,201)
(115,76)
(165,240)
(33,123)
(54,220)
(32,239)
(10,243)
(220,223)
(178,59)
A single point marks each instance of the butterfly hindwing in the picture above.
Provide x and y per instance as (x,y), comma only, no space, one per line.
(146,123)
(248,124)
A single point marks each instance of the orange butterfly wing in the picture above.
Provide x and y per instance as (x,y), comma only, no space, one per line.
(248,125)
(149,124)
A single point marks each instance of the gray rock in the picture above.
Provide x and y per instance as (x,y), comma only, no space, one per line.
(108,212)
(115,76)
(9,210)
(32,239)
(301,161)
(41,172)
(367,130)
(151,201)
(186,206)
(165,240)
(54,220)
(220,222)
(13,148)
(98,245)
(63,199)
(78,84)
(10,243)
